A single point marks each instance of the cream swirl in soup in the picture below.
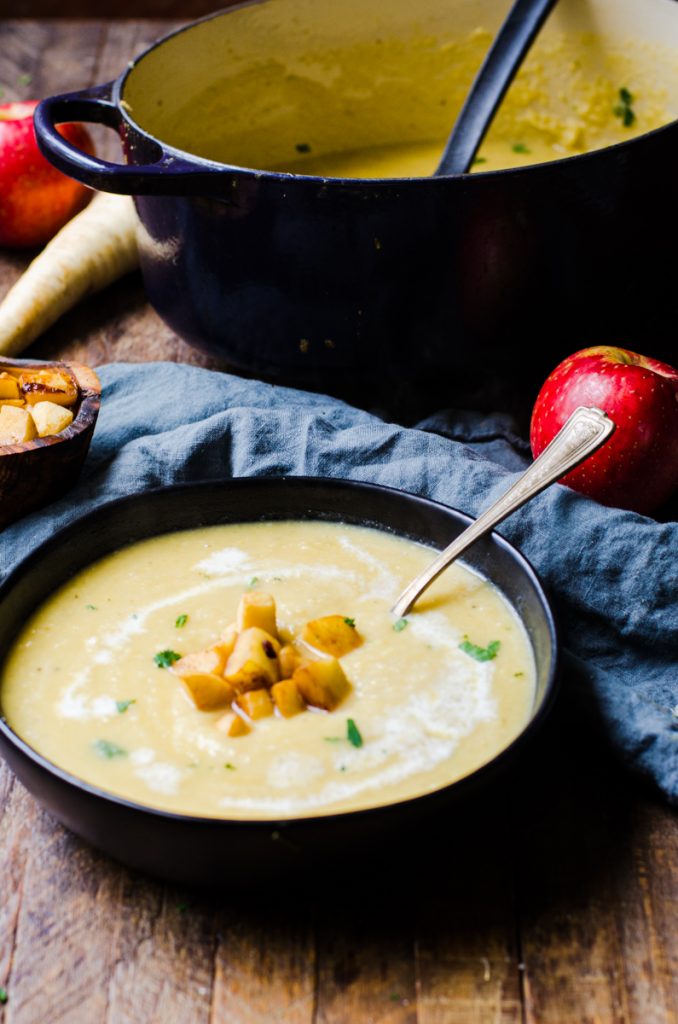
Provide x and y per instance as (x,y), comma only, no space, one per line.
(432,697)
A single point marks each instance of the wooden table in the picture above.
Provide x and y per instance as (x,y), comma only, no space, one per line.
(554,900)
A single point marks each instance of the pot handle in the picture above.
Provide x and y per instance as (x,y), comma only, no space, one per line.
(167,175)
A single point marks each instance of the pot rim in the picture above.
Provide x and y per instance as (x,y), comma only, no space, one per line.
(118,86)
(64,533)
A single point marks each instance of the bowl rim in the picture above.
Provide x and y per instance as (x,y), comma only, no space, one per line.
(90,401)
(286,177)
(63,534)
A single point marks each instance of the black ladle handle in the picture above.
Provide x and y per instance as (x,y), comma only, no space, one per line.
(492,81)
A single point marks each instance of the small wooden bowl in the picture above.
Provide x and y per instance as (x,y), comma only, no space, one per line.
(36,472)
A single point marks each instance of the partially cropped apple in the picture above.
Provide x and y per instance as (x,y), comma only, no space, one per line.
(637,468)
(36,200)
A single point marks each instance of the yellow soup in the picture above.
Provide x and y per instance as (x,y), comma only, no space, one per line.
(367,89)
(432,698)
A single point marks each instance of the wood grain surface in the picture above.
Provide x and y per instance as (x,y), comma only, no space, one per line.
(553,899)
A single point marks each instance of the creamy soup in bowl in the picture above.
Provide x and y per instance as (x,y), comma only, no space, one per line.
(432,696)
(105,714)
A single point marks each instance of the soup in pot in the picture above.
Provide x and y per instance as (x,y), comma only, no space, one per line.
(372,90)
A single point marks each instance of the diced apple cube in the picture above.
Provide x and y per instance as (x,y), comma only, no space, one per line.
(51,418)
(213,660)
(287,698)
(257,610)
(255,704)
(322,684)
(51,384)
(254,661)
(233,725)
(288,658)
(16,425)
(9,386)
(228,639)
(208,691)
(332,634)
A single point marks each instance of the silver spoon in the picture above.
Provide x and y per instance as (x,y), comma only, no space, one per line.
(585,431)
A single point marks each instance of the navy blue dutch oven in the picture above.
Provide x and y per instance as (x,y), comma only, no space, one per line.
(384,285)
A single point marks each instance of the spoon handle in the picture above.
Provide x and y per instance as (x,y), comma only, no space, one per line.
(583,433)
(491,83)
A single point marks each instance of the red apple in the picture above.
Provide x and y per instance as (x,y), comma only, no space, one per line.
(36,200)
(637,468)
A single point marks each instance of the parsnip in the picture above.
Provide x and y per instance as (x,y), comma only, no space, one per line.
(95,248)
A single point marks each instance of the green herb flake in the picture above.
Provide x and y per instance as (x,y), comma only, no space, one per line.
(25,79)
(353,734)
(302,147)
(517,675)
(332,739)
(253,582)
(108,750)
(350,622)
(91,607)
(229,767)
(181,621)
(520,147)
(480,653)
(478,160)
(123,705)
(400,625)
(164,659)
(624,109)
(395,997)
(4,995)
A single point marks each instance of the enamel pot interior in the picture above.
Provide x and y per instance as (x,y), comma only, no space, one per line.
(260,85)
(199,849)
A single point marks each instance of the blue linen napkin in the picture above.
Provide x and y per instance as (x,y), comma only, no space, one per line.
(613,574)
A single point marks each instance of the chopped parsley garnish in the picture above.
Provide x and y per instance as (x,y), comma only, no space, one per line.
(3,996)
(332,739)
(350,622)
(164,659)
(105,748)
(517,675)
(400,625)
(123,705)
(480,653)
(478,160)
(91,607)
(181,621)
(624,109)
(353,733)
(229,766)
(302,147)
(520,147)
(253,582)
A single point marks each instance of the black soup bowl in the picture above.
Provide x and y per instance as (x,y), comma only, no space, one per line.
(201,850)
(378,284)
